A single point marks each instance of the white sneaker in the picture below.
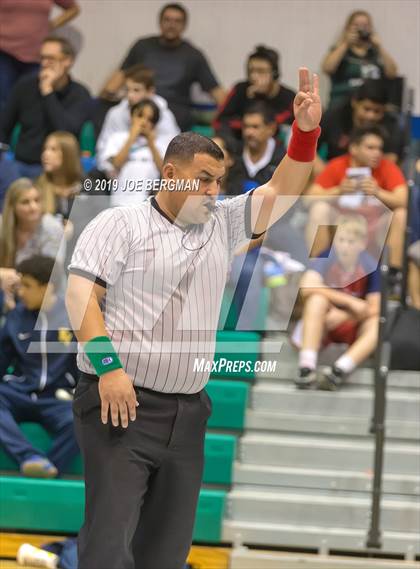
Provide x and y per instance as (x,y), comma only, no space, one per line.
(30,555)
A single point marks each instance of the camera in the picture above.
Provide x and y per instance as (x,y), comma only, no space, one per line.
(364,35)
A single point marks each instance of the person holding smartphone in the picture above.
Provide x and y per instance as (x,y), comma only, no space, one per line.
(361,181)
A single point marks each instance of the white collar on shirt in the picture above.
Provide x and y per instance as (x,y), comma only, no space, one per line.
(254,167)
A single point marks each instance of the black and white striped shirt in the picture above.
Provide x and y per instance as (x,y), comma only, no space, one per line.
(164,287)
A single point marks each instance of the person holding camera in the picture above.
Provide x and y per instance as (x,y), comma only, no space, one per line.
(358,55)
(262,84)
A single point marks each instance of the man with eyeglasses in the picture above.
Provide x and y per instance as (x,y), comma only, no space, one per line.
(43,103)
(176,62)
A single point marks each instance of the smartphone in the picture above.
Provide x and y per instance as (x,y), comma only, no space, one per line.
(355,199)
(358,173)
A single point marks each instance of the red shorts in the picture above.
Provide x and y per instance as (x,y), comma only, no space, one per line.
(346,333)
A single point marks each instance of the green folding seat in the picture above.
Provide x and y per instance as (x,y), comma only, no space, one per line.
(220,454)
(57,506)
(230,401)
(209,517)
(35,504)
(41,440)
(204,130)
(87,139)
(236,354)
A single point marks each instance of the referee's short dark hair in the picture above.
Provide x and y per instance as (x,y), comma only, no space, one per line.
(40,268)
(187,144)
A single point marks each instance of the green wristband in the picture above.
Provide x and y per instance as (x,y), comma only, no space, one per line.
(102,355)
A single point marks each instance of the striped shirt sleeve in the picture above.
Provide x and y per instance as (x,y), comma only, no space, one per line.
(103,247)
(237,213)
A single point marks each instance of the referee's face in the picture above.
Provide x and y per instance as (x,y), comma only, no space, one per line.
(195,206)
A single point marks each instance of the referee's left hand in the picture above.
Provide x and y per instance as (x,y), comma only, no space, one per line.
(307,104)
(118,397)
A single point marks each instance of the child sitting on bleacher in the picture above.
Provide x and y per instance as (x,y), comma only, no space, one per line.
(341,294)
(37,342)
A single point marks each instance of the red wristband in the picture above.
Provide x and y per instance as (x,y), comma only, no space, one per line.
(302,145)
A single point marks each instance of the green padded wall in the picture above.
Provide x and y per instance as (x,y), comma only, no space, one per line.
(56,506)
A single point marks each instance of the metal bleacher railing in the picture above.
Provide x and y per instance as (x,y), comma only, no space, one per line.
(387,320)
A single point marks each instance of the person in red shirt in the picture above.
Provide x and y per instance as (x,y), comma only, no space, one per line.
(353,190)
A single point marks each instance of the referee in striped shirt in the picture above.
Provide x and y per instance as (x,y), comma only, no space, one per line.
(144,296)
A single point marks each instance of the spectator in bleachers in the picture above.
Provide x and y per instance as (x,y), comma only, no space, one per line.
(366,108)
(260,156)
(341,295)
(381,179)
(140,85)
(414,247)
(358,55)
(9,172)
(262,84)
(261,151)
(136,154)
(9,280)
(61,185)
(24,24)
(29,391)
(176,62)
(60,181)
(25,231)
(414,273)
(230,150)
(43,103)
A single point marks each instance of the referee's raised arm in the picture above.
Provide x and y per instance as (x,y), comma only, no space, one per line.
(289,180)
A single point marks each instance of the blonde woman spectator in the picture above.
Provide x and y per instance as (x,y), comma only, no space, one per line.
(357,55)
(24,229)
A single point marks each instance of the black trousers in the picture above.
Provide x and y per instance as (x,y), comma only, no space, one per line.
(143,482)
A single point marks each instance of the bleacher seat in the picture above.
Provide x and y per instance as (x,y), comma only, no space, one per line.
(220,452)
(230,400)
(249,351)
(31,504)
(87,139)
